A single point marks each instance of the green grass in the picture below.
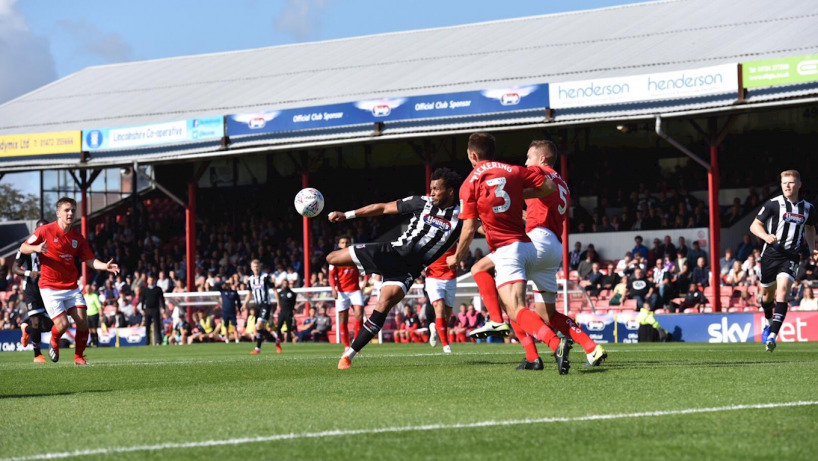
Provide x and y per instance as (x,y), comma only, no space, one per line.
(148,396)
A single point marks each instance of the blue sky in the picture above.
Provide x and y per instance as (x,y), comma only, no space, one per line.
(58,38)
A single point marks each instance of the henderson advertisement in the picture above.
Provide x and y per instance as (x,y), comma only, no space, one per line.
(690,83)
(193,130)
(19,145)
(781,71)
(468,103)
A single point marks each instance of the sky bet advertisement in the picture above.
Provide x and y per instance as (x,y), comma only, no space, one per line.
(194,130)
(390,110)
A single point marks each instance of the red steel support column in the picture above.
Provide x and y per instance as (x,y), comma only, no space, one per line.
(428,178)
(190,237)
(566,258)
(305,182)
(715,227)
(84,228)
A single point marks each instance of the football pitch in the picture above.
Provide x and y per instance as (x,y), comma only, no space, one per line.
(649,401)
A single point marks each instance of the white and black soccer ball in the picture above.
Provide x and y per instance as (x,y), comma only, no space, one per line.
(309,202)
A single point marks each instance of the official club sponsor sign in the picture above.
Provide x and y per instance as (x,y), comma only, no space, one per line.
(648,87)
(390,110)
(627,328)
(780,71)
(19,145)
(193,130)
(600,327)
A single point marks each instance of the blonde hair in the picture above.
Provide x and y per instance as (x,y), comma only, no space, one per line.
(794,173)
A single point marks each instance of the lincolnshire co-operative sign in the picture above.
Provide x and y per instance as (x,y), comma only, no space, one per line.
(391,110)
(649,87)
(18,145)
(781,71)
(200,129)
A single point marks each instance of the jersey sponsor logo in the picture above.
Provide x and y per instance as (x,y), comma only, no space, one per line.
(639,284)
(67,257)
(359,246)
(438,223)
(74,244)
(56,240)
(794,218)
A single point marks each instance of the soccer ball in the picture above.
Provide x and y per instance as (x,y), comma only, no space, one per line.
(309,202)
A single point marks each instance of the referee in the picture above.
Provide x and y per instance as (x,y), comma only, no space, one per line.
(787,227)
(153,301)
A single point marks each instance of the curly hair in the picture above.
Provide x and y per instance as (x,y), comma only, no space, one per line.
(450,178)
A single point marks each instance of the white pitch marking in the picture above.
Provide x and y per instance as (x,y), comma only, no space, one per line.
(429,427)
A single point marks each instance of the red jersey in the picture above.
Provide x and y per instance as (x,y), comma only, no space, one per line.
(58,270)
(549,211)
(493,192)
(344,279)
(439,269)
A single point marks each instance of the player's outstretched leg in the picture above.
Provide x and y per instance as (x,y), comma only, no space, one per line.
(595,353)
(389,297)
(488,292)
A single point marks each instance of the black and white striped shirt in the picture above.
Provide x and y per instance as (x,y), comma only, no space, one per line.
(260,287)
(432,230)
(786,220)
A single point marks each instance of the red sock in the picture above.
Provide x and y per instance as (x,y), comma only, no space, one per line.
(526,341)
(413,337)
(344,335)
(534,325)
(569,328)
(440,326)
(81,339)
(461,337)
(358,325)
(451,338)
(488,291)
(55,337)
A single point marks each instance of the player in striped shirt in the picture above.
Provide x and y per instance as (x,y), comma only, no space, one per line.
(787,227)
(260,284)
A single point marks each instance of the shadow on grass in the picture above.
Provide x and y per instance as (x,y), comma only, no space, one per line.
(52,394)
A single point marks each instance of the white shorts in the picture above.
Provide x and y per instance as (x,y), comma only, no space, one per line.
(438,289)
(512,262)
(58,302)
(347,300)
(549,259)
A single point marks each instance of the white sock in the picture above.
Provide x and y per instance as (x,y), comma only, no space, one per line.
(771,336)
(350,353)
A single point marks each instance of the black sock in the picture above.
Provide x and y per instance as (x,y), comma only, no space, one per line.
(269,336)
(768,310)
(778,317)
(371,327)
(94,339)
(259,340)
(36,345)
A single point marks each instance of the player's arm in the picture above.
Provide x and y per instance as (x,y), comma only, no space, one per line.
(247,299)
(333,273)
(18,269)
(481,230)
(809,234)
(531,180)
(110,266)
(757,227)
(375,209)
(31,245)
(466,237)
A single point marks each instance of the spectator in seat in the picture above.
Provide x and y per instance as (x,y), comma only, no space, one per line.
(808,302)
(639,248)
(623,267)
(746,248)
(592,252)
(682,247)
(752,268)
(693,299)
(109,293)
(700,274)
(576,256)
(293,277)
(163,282)
(796,293)
(696,252)
(586,266)
(323,324)
(670,249)
(642,290)
(727,261)
(461,325)
(662,279)
(656,253)
(409,324)
(610,279)
(307,326)
(736,275)
(593,281)
(681,261)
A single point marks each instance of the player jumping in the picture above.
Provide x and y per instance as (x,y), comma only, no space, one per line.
(494,193)
(787,227)
(260,286)
(346,289)
(38,322)
(434,228)
(58,246)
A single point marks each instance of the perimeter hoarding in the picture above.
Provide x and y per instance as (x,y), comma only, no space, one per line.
(780,71)
(19,145)
(467,103)
(193,130)
(689,83)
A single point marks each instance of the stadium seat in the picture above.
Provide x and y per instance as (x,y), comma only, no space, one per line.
(691,310)
(629,304)
(660,311)
(734,309)
(751,309)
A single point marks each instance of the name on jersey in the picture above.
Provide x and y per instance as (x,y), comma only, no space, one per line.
(488,166)
(794,218)
(438,223)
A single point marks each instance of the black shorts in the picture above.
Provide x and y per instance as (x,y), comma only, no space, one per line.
(263,312)
(228,320)
(771,267)
(381,258)
(93,321)
(34,304)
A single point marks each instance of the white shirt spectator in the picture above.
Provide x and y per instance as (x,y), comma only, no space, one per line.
(164,284)
(280,277)
(293,278)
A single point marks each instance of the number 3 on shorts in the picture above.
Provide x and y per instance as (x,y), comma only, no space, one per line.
(499,192)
